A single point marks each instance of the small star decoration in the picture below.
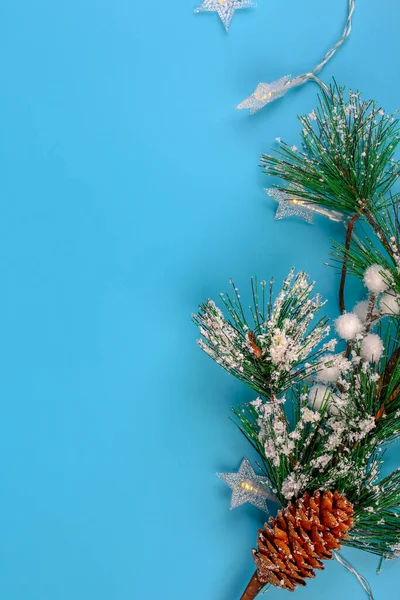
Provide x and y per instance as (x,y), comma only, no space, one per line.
(248,487)
(264,94)
(224,8)
(289,205)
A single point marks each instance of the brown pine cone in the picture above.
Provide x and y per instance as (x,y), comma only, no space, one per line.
(301,535)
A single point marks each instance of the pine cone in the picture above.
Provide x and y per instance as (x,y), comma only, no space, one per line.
(298,538)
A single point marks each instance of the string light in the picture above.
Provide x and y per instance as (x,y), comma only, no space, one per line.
(290,205)
(224,8)
(268,92)
(248,487)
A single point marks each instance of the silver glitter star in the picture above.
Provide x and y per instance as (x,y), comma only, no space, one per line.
(248,487)
(264,94)
(289,205)
(224,8)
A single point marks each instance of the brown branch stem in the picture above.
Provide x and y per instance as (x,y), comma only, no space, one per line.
(385,379)
(349,233)
(382,410)
(253,589)
(391,365)
(379,232)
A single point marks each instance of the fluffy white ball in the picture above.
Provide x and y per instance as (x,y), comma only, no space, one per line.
(334,407)
(374,280)
(328,374)
(361,310)
(317,395)
(348,326)
(320,394)
(390,304)
(371,348)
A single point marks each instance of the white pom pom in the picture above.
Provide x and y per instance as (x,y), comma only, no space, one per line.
(318,394)
(372,348)
(348,326)
(374,280)
(329,374)
(334,407)
(390,304)
(361,310)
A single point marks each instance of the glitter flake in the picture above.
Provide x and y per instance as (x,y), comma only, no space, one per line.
(224,8)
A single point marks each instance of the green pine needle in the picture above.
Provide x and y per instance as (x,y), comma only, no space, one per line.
(347,159)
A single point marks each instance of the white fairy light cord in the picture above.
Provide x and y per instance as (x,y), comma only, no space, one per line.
(360,578)
(268,92)
(346,32)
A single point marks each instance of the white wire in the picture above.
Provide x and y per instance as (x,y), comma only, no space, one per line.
(360,578)
(313,74)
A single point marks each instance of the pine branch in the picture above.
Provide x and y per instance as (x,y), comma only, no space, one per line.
(349,233)
(347,158)
(274,349)
(377,518)
(321,420)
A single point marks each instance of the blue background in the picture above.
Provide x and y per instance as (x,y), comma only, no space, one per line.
(129,192)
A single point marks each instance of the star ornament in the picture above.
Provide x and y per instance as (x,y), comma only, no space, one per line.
(264,94)
(289,205)
(248,487)
(224,8)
